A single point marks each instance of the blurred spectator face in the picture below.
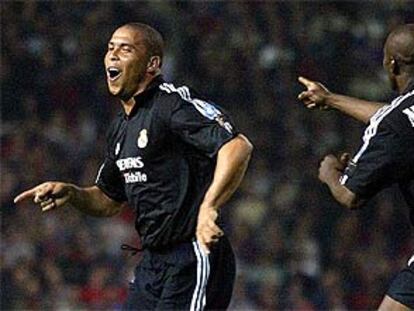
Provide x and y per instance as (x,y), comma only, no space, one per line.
(126,62)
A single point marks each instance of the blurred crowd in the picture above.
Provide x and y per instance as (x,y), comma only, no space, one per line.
(296,249)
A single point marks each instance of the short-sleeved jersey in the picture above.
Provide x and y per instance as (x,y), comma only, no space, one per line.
(161,159)
(386,156)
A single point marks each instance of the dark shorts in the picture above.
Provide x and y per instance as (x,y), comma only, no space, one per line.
(402,287)
(184,278)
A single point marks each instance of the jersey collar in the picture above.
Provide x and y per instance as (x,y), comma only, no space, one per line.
(143,97)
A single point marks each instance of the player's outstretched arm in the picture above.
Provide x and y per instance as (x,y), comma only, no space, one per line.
(91,200)
(232,161)
(330,171)
(318,96)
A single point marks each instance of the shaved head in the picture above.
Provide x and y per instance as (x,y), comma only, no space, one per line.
(400,44)
(399,56)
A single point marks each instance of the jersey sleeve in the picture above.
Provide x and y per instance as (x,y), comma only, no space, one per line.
(379,163)
(109,178)
(201,124)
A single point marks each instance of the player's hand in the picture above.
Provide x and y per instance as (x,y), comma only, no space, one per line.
(344,159)
(315,96)
(207,231)
(48,195)
(331,167)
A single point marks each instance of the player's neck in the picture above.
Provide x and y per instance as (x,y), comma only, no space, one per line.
(403,82)
(128,104)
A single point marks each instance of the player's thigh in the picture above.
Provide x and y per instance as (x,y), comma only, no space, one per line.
(222,276)
(184,283)
(143,292)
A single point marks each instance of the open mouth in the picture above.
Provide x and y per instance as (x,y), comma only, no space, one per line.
(113,73)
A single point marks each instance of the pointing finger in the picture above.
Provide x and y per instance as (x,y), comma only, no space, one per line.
(25,195)
(305,82)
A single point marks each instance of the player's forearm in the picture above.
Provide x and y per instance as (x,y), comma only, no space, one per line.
(361,110)
(342,194)
(232,161)
(93,201)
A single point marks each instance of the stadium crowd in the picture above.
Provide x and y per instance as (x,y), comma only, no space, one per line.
(296,248)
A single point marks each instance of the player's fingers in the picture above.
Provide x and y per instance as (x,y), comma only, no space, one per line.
(216,230)
(44,189)
(46,202)
(49,206)
(203,243)
(345,157)
(306,82)
(25,195)
(61,201)
(311,105)
(304,95)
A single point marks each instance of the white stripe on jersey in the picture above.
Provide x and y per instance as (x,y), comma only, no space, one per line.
(99,173)
(372,129)
(198,300)
(205,108)
(411,260)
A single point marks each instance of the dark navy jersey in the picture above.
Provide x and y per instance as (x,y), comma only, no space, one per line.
(386,156)
(161,159)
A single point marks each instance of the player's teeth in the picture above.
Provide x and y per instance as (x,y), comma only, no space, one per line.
(113,72)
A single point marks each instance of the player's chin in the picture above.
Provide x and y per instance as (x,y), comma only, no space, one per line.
(114,90)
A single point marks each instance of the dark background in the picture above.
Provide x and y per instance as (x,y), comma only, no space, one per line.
(296,248)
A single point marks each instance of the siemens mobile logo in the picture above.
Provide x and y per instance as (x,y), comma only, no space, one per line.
(132,163)
(129,163)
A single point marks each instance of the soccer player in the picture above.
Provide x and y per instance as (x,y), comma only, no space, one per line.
(386,156)
(175,158)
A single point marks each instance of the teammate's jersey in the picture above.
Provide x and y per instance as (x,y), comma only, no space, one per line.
(386,156)
(161,159)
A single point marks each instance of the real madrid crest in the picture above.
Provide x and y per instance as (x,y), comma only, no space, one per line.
(142,140)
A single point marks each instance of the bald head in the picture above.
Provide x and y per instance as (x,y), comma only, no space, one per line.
(400,45)
(151,37)
(399,57)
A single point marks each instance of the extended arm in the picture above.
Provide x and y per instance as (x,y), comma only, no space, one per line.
(91,200)
(232,162)
(319,96)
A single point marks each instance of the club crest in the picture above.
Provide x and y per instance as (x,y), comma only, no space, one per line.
(142,140)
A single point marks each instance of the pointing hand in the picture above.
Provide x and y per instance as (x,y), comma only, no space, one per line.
(315,96)
(48,195)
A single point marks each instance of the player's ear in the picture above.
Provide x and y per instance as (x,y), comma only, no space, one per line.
(154,64)
(394,66)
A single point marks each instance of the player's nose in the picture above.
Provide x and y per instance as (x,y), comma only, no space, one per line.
(113,55)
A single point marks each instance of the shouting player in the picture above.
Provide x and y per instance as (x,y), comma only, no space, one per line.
(175,158)
(386,156)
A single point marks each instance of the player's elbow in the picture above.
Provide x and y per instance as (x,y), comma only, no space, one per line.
(347,198)
(246,147)
(112,209)
(352,202)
